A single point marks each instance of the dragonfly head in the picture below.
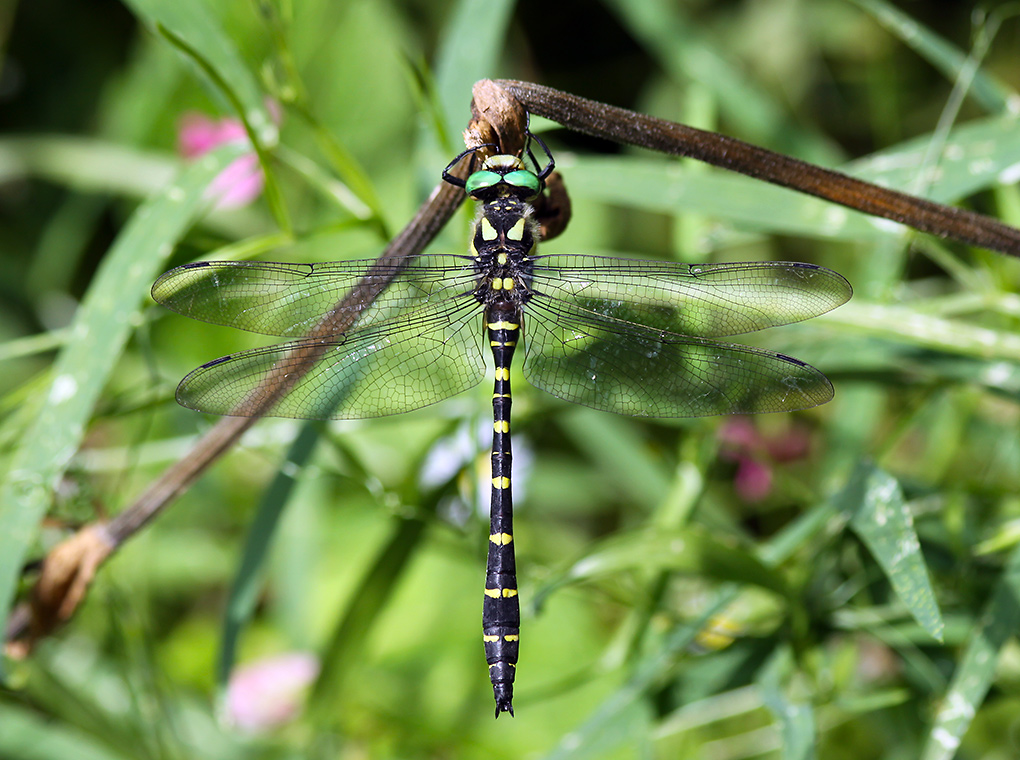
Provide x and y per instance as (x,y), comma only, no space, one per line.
(503,175)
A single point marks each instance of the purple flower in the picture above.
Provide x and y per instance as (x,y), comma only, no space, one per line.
(269,692)
(241,182)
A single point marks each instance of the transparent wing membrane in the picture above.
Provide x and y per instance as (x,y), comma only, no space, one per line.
(617,366)
(289,300)
(706,300)
(390,367)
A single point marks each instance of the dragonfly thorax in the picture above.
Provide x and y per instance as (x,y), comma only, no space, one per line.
(504,238)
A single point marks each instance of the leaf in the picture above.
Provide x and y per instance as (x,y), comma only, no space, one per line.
(997,625)
(796,720)
(690,550)
(879,516)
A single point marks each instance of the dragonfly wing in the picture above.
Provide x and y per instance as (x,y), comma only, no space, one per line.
(289,300)
(707,300)
(387,368)
(630,369)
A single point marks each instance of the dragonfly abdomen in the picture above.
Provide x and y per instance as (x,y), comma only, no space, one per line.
(501,616)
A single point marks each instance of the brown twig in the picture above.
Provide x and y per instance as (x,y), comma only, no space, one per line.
(621,125)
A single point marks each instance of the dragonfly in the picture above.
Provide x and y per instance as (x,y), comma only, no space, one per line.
(634,337)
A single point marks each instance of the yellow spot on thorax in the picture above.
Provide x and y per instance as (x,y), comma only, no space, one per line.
(517,231)
(488,231)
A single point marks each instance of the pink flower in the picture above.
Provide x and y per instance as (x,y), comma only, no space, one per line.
(755,454)
(269,692)
(241,182)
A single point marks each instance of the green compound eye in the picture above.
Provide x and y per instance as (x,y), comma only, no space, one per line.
(481,180)
(524,179)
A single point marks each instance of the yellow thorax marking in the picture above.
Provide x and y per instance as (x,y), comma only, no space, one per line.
(517,231)
(488,231)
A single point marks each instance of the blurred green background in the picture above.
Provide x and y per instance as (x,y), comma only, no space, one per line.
(840,582)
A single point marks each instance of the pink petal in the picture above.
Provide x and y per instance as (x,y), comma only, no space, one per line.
(198,134)
(753,481)
(239,184)
(739,432)
(266,693)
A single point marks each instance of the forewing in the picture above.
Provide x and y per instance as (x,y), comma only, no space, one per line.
(387,368)
(707,300)
(289,300)
(621,367)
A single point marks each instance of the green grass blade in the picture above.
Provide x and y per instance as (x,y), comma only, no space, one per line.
(608,725)
(796,720)
(470,50)
(29,736)
(261,137)
(683,52)
(351,632)
(879,516)
(192,22)
(991,94)
(908,326)
(976,670)
(85,164)
(101,327)
(692,550)
(977,155)
(248,582)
